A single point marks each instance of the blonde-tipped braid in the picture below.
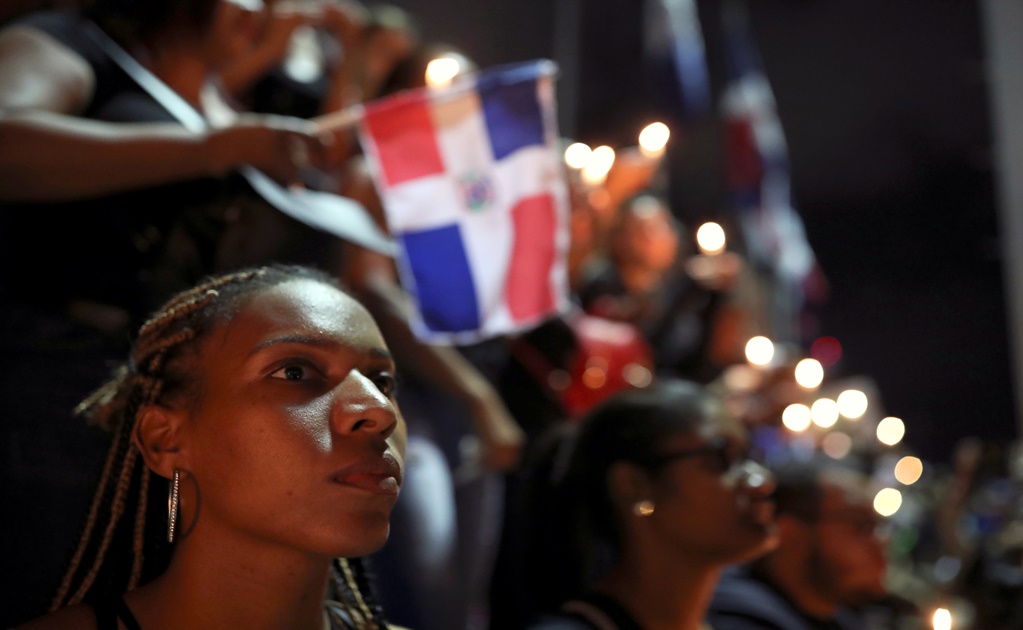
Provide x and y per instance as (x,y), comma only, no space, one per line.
(114,406)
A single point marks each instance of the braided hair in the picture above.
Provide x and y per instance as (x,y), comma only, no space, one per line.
(115,554)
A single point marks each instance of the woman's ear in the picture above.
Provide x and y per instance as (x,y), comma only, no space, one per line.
(629,483)
(158,436)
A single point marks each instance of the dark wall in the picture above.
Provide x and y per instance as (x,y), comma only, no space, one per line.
(884,105)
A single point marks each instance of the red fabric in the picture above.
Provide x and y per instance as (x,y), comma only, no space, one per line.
(607,346)
(405,139)
(533,255)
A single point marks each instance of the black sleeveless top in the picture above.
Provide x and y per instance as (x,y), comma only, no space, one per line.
(110,609)
(129,250)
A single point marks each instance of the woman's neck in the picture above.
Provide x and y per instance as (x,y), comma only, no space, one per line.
(235,584)
(662,593)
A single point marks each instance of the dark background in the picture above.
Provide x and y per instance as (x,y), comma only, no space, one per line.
(885,109)
(886,114)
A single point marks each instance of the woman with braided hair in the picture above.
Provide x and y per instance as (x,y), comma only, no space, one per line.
(261,406)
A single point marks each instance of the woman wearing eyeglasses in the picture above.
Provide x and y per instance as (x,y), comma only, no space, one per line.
(650,496)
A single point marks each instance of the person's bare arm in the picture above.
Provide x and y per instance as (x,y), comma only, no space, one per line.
(49,153)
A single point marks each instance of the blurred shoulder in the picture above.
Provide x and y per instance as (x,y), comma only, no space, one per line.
(77,617)
(560,622)
(42,68)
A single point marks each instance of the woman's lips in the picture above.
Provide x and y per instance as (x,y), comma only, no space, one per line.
(379,484)
(376,474)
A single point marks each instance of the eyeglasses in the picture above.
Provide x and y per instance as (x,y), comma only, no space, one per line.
(725,460)
(717,449)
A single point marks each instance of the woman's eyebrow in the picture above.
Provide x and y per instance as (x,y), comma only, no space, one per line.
(304,340)
(316,342)
(382,354)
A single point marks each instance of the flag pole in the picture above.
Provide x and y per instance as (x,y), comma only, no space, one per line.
(340,120)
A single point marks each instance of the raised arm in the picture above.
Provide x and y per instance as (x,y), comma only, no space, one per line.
(49,153)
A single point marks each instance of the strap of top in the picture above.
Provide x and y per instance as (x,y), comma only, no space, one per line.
(109,609)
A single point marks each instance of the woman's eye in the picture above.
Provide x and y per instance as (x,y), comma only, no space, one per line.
(290,373)
(387,383)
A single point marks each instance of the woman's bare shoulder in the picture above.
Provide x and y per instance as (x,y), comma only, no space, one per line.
(39,72)
(77,617)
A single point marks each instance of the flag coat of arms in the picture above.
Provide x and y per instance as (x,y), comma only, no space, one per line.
(474,194)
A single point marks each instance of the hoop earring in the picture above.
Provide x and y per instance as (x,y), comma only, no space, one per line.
(172,505)
(643,508)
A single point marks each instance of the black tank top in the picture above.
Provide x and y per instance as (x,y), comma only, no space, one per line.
(111,608)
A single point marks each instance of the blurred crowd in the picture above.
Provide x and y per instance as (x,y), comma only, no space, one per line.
(111,202)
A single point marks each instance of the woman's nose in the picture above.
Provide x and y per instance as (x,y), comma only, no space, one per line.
(360,406)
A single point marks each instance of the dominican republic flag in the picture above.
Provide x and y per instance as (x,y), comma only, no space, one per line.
(475,197)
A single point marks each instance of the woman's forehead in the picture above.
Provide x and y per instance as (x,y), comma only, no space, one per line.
(301,305)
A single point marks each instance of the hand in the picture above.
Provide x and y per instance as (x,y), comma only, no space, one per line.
(717,272)
(630,173)
(279,25)
(345,21)
(280,146)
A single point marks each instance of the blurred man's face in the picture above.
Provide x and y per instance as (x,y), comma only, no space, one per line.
(847,557)
(647,236)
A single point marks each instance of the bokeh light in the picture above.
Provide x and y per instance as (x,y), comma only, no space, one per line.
(637,375)
(909,469)
(599,165)
(710,238)
(852,403)
(887,501)
(836,445)
(942,619)
(827,350)
(577,154)
(796,417)
(809,373)
(653,139)
(441,71)
(824,412)
(759,350)
(594,377)
(890,431)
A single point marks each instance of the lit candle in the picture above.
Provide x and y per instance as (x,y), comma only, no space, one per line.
(942,619)
(710,238)
(653,139)
(759,351)
(599,165)
(577,155)
(441,71)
